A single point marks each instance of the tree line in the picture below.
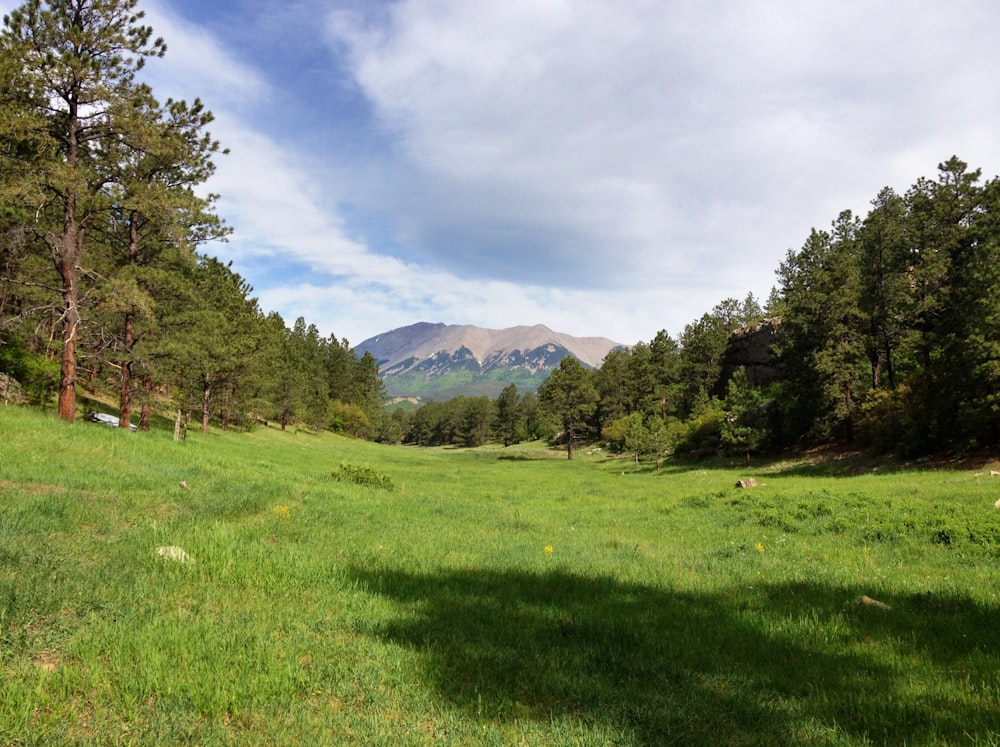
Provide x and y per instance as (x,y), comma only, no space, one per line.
(103,277)
(886,334)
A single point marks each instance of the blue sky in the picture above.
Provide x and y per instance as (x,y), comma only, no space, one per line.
(604,167)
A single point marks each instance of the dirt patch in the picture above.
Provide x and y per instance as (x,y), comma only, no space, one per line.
(47,661)
(32,488)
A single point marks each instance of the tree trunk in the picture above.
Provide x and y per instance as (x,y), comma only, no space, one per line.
(146,405)
(890,369)
(849,420)
(70,244)
(68,260)
(206,402)
(125,401)
(125,398)
(876,363)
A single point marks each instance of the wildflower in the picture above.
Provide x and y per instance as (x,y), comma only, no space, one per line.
(760,547)
(548,549)
(282,511)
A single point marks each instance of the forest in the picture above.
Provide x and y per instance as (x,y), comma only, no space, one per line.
(887,325)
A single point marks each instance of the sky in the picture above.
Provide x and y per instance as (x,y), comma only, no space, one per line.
(606,168)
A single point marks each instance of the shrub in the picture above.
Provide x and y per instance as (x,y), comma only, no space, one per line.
(38,376)
(365,476)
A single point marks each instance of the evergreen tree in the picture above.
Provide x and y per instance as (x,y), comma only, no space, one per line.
(884,267)
(367,390)
(663,398)
(635,436)
(745,424)
(508,415)
(217,344)
(570,396)
(617,383)
(79,61)
(979,303)
(532,418)
(476,417)
(947,253)
(659,440)
(155,223)
(702,347)
(822,335)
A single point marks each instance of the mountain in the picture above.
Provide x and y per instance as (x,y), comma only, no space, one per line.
(442,361)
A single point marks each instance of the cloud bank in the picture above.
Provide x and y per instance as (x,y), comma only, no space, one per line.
(602,167)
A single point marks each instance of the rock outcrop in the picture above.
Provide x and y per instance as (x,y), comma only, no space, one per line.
(752,348)
(10,390)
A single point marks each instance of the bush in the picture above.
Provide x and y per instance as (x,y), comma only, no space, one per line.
(365,476)
(348,418)
(38,376)
(702,435)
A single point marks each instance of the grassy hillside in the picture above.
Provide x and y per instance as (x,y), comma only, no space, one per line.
(488,597)
(463,383)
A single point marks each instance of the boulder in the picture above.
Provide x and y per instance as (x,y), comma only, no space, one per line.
(11,390)
(752,349)
(174,554)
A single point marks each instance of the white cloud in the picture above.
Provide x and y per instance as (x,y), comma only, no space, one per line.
(603,167)
(643,144)
(197,63)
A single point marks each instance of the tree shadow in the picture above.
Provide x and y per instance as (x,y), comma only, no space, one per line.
(788,664)
(834,461)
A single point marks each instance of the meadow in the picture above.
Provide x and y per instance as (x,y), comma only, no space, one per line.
(341,592)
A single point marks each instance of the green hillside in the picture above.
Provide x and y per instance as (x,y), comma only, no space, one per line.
(462,383)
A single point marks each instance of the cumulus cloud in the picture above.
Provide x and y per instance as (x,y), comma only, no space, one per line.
(621,144)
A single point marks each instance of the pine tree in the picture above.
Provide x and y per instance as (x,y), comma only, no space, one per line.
(99,163)
(570,396)
(744,426)
(82,57)
(154,225)
(508,415)
(884,266)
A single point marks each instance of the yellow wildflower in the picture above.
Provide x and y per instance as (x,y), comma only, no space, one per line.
(760,547)
(548,549)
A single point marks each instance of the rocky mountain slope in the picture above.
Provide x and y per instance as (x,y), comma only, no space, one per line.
(439,361)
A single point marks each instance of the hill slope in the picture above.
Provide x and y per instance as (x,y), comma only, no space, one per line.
(441,361)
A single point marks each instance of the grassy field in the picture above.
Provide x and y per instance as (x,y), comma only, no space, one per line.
(348,593)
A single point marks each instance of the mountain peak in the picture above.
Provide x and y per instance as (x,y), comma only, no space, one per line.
(418,357)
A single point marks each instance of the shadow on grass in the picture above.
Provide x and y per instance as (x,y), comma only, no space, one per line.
(818,462)
(794,663)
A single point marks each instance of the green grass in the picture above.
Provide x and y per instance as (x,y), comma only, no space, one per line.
(486,597)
